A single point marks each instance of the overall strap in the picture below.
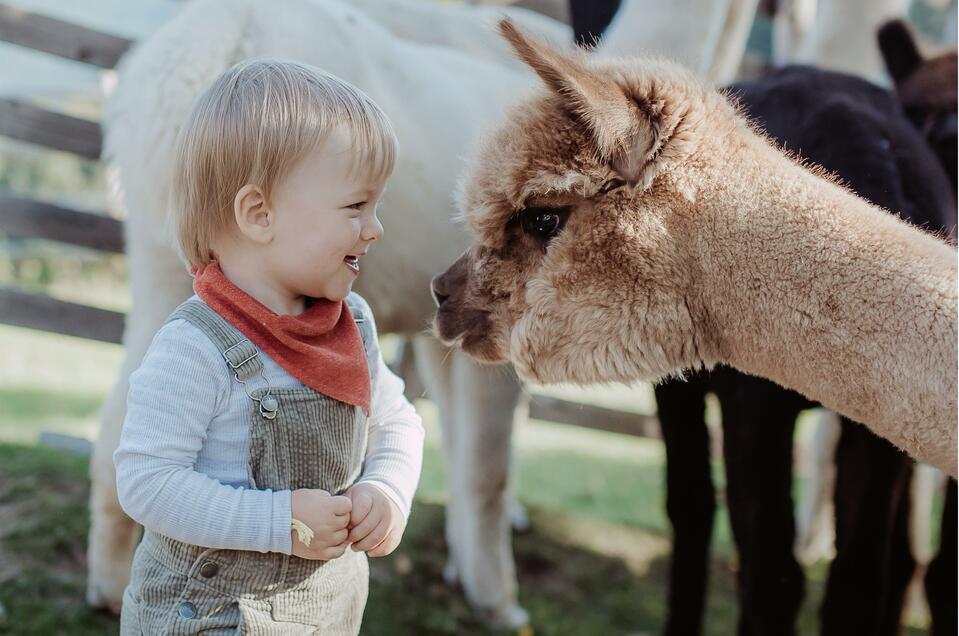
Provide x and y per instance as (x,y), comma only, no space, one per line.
(364,323)
(239,353)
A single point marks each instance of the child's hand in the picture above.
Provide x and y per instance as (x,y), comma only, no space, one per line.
(328,517)
(376,523)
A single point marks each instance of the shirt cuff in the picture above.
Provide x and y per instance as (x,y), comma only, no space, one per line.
(281,539)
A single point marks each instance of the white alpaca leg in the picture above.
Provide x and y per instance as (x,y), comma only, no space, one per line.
(792,24)
(815,525)
(926,482)
(662,28)
(435,368)
(486,400)
(113,536)
(477,405)
(731,44)
(158,287)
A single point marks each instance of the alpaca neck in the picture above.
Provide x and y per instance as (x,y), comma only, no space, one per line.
(812,287)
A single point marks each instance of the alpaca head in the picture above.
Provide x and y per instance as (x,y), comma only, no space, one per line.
(582,268)
(926,88)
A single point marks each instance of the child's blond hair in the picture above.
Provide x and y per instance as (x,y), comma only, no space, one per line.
(252,126)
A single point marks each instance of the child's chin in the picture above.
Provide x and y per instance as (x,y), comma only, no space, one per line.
(336,295)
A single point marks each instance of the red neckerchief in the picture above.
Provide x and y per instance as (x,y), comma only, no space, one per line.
(322,347)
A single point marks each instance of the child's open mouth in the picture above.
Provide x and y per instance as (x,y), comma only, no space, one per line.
(353,262)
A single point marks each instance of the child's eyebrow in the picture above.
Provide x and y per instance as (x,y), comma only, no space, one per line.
(367,192)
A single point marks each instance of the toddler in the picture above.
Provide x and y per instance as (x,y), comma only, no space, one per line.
(267,448)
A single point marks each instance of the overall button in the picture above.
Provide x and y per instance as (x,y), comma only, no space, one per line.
(269,405)
(187,609)
(209,569)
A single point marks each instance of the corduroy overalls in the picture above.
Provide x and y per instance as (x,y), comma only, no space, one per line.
(299,438)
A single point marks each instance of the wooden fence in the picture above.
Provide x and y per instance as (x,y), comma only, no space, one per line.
(28,218)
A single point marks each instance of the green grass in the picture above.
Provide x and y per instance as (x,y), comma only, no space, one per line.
(593,562)
(42,543)
(577,575)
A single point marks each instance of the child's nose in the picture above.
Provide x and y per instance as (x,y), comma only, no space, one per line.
(372,230)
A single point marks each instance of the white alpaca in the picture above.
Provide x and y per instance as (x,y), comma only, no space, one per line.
(437,98)
(838,35)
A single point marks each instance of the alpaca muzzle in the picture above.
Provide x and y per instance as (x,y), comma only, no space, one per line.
(450,283)
(455,321)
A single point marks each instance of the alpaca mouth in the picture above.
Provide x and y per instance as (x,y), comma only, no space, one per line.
(353,262)
(446,329)
(469,330)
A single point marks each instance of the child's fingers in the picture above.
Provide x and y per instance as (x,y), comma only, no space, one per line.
(362,504)
(373,539)
(340,505)
(338,537)
(333,552)
(386,546)
(362,529)
(330,548)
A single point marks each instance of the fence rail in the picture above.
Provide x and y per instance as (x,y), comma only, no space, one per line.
(43,33)
(41,312)
(25,122)
(28,218)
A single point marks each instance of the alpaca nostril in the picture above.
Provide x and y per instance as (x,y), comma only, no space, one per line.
(438,296)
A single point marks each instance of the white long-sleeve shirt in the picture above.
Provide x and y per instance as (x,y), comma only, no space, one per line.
(181,464)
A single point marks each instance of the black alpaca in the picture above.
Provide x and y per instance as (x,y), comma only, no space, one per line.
(857,131)
(927,90)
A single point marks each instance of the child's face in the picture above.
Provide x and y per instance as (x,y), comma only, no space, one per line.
(324,221)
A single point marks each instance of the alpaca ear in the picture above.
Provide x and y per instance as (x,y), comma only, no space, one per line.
(625,130)
(899,50)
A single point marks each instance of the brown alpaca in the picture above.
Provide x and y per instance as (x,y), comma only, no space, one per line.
(630,223)
(926,87)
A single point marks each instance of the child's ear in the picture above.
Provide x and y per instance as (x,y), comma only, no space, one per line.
(253,217)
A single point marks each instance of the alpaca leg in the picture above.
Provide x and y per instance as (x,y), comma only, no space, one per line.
(113,536)
(477,406)
(872,481)
(690,499)
(663,28)
(731,44)
(815,532)
(941,577)
(487,399)
(435,367)
(927,481)
(157,288)
(792,23)
(758,423)
(901,564)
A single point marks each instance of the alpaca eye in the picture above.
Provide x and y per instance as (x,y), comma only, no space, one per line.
(543,223)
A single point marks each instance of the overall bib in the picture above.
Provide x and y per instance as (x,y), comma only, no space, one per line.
(299,438)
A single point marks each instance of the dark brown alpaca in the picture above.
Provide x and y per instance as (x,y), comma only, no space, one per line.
(927,90)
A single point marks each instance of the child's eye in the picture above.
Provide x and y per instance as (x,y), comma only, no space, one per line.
(357,206)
